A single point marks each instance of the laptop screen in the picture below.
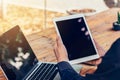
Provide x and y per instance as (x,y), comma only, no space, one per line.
(16,55)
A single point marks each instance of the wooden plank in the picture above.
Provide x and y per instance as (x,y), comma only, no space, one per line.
(100,26)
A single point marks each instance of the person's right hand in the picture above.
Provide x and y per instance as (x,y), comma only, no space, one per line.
(101,53)
(87,69)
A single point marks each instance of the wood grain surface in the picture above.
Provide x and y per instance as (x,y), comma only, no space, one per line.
(100,26)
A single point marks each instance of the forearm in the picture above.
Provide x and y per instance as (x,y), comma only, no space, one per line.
(67,72)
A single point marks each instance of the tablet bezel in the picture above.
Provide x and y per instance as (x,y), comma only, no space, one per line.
(84,59)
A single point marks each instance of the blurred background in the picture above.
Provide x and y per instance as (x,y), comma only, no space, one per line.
(34,16)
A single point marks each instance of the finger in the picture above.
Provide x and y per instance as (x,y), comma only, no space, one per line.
(98,61)
(56,40)
(55,51)
(55,48)
(82,72)
(58,37)
(59,42)
(95,62)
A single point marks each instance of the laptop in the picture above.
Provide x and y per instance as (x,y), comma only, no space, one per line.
(18,61)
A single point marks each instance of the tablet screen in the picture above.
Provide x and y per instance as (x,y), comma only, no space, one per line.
(76,38)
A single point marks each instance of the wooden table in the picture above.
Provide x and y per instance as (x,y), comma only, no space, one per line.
(100,25)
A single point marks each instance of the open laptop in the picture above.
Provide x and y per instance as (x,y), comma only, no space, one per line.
(18,60)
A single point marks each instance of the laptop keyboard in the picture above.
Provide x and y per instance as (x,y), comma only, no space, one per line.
(45,71)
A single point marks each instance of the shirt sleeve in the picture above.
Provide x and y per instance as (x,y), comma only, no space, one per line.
(67,72)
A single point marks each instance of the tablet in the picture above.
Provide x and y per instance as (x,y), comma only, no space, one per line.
(76,36)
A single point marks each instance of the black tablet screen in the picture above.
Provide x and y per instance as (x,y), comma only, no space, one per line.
(76,38)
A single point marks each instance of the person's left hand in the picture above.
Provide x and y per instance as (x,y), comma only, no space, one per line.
(60,51)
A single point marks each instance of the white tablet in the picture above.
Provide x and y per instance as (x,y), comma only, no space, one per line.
(76,36)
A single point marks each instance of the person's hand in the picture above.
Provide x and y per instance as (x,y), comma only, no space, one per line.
(87,69)
(101,53)
(60,51)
